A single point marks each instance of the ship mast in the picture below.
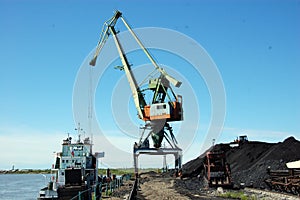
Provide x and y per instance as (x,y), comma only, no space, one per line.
(78,129)
(90,108)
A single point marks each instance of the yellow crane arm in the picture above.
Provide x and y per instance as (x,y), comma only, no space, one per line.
(109,29)
(132,82)
(172,80)
(104,35)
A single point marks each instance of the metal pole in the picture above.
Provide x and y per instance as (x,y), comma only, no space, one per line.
(79,195)
(135,162)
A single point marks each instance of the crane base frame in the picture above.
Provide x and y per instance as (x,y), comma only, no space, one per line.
(177,152)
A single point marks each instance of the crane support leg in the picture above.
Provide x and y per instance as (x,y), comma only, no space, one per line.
(177,152)
(135,163)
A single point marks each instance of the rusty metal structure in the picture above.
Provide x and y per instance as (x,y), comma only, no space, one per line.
(217,170)
(287,180)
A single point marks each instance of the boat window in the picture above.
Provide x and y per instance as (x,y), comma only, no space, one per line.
(161,106)
(67,161)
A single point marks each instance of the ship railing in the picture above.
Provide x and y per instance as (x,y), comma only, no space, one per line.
(102,189)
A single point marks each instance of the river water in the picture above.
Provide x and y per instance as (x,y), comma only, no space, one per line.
(22,186)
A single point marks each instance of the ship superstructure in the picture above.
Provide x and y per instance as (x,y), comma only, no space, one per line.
(75,170)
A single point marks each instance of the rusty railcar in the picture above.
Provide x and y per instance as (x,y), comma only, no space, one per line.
(287,180)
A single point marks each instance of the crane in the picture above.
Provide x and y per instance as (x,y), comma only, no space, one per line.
(165,105)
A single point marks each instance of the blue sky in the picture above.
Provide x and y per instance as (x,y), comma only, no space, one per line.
(255,45)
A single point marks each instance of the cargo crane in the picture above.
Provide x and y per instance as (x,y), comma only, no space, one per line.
(165,106)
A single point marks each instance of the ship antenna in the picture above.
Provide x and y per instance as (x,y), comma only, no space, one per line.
(79,130)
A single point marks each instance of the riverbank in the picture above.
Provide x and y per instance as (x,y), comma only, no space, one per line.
(26,171)
(115,171)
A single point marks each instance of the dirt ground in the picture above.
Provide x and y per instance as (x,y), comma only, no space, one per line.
(154,186)
(158,186)
(164,187)
(123,192)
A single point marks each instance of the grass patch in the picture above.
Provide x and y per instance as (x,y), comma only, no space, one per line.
(237,195)
(117,171)
(121,171)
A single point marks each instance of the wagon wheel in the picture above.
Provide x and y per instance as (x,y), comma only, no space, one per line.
(294,190)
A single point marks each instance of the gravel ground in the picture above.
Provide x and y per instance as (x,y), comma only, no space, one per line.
(154,186)
(157,186)
(268,195)
(164,187)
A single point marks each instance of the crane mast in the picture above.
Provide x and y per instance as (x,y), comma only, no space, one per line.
(162,109)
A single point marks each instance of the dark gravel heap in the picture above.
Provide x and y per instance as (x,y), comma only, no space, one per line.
(250,160)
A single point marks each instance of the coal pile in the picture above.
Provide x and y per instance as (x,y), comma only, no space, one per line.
(249,161)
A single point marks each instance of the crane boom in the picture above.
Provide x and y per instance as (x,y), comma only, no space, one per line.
(138,98)
(172,80)
(104,35)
